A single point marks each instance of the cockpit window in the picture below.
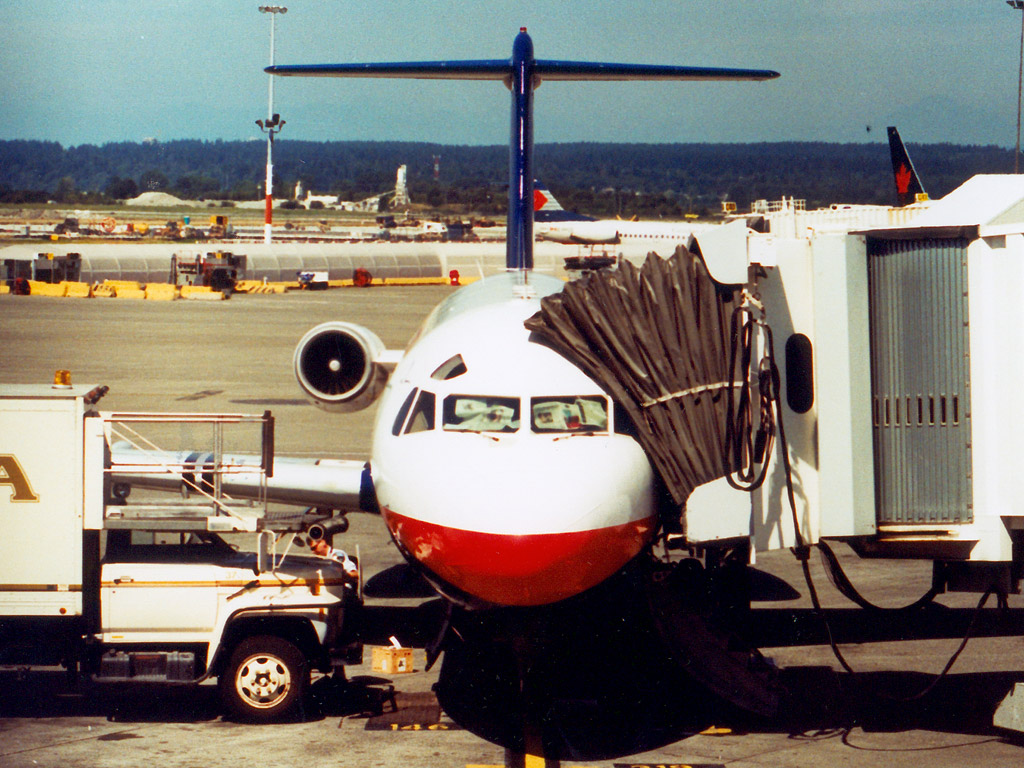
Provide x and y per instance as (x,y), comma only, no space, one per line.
(476,413)
(396,428)
(422,417)
(569,414)
(450,368)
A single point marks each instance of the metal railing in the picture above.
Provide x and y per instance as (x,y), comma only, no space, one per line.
(224,491)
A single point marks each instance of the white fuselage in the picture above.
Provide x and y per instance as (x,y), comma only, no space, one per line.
(613,231)
(496,461)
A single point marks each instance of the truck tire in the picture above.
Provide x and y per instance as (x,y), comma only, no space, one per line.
(265,679)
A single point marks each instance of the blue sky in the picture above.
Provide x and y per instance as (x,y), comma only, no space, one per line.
(94,72)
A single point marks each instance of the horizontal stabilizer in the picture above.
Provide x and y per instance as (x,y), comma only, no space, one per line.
(494,69)
(586,70)
(501,69)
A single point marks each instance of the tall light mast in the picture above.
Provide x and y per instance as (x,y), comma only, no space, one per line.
(270,126)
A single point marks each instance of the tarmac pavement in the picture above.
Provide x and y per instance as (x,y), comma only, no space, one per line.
(236,356)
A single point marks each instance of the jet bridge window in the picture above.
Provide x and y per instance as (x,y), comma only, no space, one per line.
(477,413)
(569,414)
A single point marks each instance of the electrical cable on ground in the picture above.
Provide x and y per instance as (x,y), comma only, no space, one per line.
(741,451)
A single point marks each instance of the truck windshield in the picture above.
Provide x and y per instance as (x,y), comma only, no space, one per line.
(478,413)
(580,414)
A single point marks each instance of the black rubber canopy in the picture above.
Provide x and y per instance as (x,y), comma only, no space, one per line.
(657,338)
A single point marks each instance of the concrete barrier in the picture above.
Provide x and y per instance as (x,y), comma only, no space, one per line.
(78,290)
(37,288)
(202,295)
(128,289)
(258,286)
(188,291)
(129,293)
(119,285)
(161,292)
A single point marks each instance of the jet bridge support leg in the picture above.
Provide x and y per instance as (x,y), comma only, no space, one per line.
(701,635)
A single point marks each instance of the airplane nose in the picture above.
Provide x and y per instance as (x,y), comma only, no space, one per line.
(523,570)
(529,533)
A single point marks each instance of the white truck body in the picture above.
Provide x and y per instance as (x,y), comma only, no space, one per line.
(150,593)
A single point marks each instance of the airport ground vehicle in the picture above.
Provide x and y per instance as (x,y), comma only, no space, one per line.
(126,592)
(219,270)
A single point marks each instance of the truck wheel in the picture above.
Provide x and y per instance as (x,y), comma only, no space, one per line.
(265,679)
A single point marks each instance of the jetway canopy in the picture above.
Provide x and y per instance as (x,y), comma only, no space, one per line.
(992,202)
(657,338)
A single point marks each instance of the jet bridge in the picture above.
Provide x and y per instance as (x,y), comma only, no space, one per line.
(866,391)
(896,371)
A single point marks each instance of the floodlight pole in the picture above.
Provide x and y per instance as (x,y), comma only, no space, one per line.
(1019,6)
(273,125)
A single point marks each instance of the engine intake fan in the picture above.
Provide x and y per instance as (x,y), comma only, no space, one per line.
(340,366)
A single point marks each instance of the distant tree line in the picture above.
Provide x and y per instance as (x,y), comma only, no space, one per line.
(648,180)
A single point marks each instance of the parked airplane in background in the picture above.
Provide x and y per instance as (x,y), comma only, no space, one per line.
(908,186)
(576,229)
(616,231)
(547,209)
(519,423)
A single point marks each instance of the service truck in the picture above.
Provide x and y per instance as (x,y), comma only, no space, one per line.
(171,592)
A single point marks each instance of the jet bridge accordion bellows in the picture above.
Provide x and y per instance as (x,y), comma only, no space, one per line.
(657,338)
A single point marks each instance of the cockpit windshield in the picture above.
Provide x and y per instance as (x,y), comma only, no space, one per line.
(477,413)
(573,415)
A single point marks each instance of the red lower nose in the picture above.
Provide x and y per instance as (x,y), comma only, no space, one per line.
(531,569)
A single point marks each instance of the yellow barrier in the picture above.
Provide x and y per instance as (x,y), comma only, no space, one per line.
(130,289)
(202,296)
(130,293)
(37,288)
(188,291)
(161,292)
(77,290)
(117,285)
(258,286)
(4,288)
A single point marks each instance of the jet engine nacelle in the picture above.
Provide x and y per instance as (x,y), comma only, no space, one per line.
(597,233)
(340,366)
